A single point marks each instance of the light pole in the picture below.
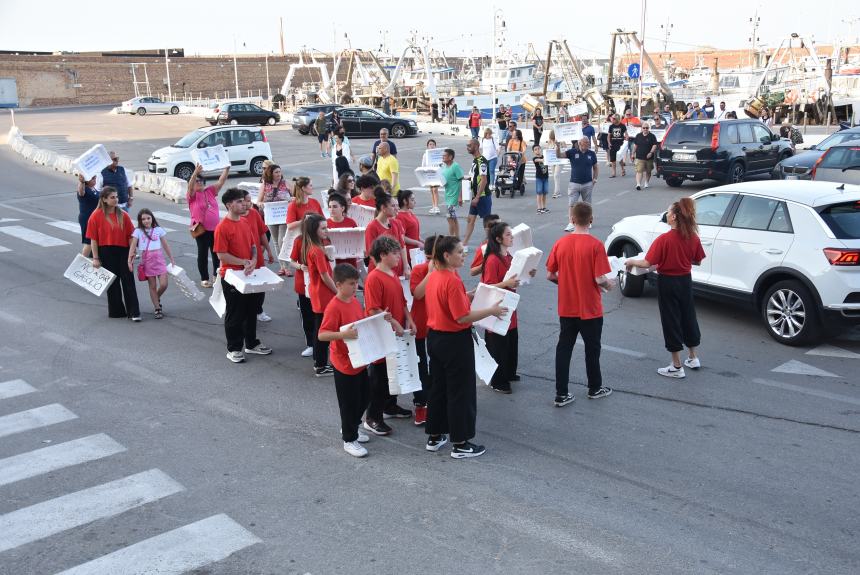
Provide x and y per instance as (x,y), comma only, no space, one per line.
(498,16)
(667,31)
(268,86)
(235,69)
(167,65)
(641,58)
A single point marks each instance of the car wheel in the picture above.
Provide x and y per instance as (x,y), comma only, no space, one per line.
(184,171)
(304,131)
(736,173)
(234,122)
(257,166)
(790,313)
(174,110)
(630,285)
(398,131)
(271,121)
(674,182)
(141,111)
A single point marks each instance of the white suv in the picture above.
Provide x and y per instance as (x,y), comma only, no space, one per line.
(246,146)
(789,249)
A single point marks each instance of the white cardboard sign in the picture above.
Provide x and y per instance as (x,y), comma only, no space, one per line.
(402,366)
(578,109)
(212,158)
(466,190)
(432,157)
(82,272)
(485,365)
(93,161)
(486,296)
(568,132)
(416,256)
(375,340)
(429,177)
(522,264)
(275,213)
(217,300)
(407,293)
(550,158)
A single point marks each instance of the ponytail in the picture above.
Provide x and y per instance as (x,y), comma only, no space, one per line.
(444,245)
(299,186)
(685,215)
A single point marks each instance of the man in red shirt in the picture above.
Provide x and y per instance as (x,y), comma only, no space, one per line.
(578,264)
(258,227)
(236,247)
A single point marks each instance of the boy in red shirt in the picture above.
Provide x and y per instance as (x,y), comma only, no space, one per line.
(578,264)
(258,227)
(477,266)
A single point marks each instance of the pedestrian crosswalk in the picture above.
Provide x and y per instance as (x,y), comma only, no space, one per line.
(35,234)
(176,551)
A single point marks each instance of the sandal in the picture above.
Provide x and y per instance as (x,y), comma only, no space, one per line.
(158,313)
(282,272)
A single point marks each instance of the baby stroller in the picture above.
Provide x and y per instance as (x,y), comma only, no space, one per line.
(511,175)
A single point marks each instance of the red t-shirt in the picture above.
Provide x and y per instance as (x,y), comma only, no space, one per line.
(411,228)
(295,256)
(374,230)
(346,223)
(446,301)
(419,306)
(578,259)
(258,228)
(494,272)
(475,120)
(371,203)
(296,211)
(234,237)
(318,265)
(385,292)
(338,314)
(108,233)
(478,260)
(673,255)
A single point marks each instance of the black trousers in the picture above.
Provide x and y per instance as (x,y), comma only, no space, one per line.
(379,396)
(503,349)
(420,397)
(307,313)
(352,397)
(122,293)
(205,247)
(240,320)
(320,347)
(452,404)
(537,136)
(591,330)
(677,312)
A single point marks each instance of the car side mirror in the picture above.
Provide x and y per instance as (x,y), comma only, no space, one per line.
(774,137)
(201,145)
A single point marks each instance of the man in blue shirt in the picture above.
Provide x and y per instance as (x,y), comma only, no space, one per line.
(114,175)
(588,131)
(583,175)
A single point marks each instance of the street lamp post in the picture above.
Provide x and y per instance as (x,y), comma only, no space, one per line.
(167,65)
(235,69)
(268,86)
(641,58)
(497,16)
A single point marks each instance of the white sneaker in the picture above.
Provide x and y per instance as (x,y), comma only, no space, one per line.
(362,436)
(672,371)
(308,352)
(646,185)
(206,284)
(693,362)
(236,356)
(569,228)
(354,449)
(264,317)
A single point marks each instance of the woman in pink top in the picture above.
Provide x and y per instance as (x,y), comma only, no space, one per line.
(274,188)
(203,205)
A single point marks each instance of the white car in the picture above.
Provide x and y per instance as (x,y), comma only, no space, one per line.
(148,105)
(791,250)
(246,146)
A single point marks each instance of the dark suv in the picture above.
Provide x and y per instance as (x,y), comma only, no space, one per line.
(304,117)
(722,150)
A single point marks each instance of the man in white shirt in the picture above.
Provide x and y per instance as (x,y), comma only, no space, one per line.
(721,113)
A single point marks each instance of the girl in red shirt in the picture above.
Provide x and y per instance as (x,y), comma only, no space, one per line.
(321,286)
(303,203)
(305,310)
(409,221)
(337,207)
(386,224)
(674,253)
(418,287)
(109,230)
(451,402)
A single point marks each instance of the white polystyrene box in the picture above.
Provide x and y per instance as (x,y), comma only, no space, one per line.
(260,280)
(522,264)
(362,215)
(93,161)
(186,285)
(375,340)
(522,237)
(348,243)
(487,296)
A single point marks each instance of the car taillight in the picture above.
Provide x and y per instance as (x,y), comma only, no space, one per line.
(263,133)
(715,137)
(842,257)
(666,135)
(217,110)
(818,161)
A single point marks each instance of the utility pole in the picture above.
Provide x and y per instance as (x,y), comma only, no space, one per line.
(281,29)
(667,31)
(498,17)
(235,69)
(641,57)
(268,86)
(167,65)
(755,21)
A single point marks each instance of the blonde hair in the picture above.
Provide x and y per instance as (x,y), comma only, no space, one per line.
(299,189)
(102,205)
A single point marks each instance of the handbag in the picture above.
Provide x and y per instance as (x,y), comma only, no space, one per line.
(141,270)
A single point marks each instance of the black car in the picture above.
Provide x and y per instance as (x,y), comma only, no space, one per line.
(722,150)
(304,117)
(799,166)
(241,113)
(367,122)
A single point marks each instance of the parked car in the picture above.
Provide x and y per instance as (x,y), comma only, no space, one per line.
(724,150)
(247,148)
(147,105)
(304,117)
(790,250)
(213,111)
(841,163)
(367,122)
(799,166)
(243,113)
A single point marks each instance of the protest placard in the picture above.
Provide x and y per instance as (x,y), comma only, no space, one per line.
(551,159)
(402,366)
(568,132)
(275,213)
(211,158)
(375,340)
(429,177)
(92,162)
(432,157)
(94,280)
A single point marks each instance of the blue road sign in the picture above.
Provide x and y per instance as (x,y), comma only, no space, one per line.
(633,71)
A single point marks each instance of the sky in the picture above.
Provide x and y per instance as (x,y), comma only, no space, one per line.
(211,28)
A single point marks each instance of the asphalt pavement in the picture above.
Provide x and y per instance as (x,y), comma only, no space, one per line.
(749,465)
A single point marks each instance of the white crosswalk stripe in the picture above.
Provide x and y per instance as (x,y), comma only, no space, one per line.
(34,419)
(75,228)
(184,220)
(32,236)
(4,250)
(47,459)
(81,507)
(177,551)
(14,388)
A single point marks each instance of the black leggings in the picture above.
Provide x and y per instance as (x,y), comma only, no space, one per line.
(307,313)
(677,312)
(206,243)
(452,400)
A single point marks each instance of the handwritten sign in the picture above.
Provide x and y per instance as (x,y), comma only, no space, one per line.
(578,109)
(402,366)
(92,162)
(568,132)
(432,157)
(551,159)
(275,213)
(417,256)
(212,158)
(94,280)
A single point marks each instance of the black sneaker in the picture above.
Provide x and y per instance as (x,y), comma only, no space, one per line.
(467,449)
(435,442)
(638,188)
(396,412)
(376,427)
(562,400)
(506,389)
(602,392)
(323,371)
(515,377)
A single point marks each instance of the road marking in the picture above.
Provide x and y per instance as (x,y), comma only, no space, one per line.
(56,457)
(141,372)
(10,318)
(799,368)
(68,226)
(624,192)
(833,351)
(81,507)
(184,220)
(4,250)
(622,351)
(34,419)
(14,388)
(23,211)
(32,236)
(177,551)
(603,201)
(8,220)
(807,391)
(63,340)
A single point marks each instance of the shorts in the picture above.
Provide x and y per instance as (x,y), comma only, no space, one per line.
(541,186)
(452,212)
(613,152)
(644,166)
(484,207)
(322,137)
(579,192)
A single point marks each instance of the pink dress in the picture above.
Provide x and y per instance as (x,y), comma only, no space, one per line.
(204,208)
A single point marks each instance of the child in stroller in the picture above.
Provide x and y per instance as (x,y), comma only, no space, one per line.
(511,174)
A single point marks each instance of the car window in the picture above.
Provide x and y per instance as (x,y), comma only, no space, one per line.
(754,213)
(732,136)
(369,115)
(746,133)
(214,139)
(241,137)
(155,100)
(780,221)
(841,157)
(684,133)
(189,139)
(711,208)
(762,134)
(843,220)
(258,135)
(348,114)
(251,108)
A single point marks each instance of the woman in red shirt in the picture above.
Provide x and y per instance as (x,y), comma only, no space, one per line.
(321,286)
(409,221)
(109,230)
(451,402)
(337,207)
(303,203)
(475,122)
(386,224)
(674,253)
(418,287)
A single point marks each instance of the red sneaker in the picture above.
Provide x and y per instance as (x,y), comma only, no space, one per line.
(420,414)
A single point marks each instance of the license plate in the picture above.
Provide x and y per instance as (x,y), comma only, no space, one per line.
(684,157)
(790,177)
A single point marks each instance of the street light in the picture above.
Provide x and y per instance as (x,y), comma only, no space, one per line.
(498,17)
(235,69)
